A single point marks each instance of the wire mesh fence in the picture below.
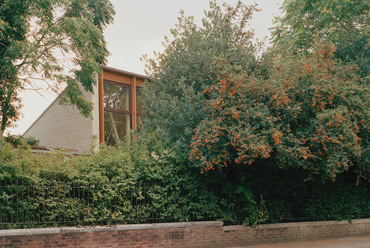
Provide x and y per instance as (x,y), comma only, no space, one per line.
(25,204)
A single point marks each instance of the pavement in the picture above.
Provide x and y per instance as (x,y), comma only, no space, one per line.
(351,242)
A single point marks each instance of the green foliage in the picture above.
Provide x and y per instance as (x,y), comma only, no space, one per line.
(174,97)
(294,110)
(265,133)
(210,97)
(344,23)
(37,37)
(17,140)
(132,184)
(256,214)
(142,182)
(306,111)
(315,200)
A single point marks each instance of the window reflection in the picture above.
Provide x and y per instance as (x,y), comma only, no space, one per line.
(116,97)
(118,111)
(116,126)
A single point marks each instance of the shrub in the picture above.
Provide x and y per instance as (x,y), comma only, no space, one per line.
(142,182)
(17,140)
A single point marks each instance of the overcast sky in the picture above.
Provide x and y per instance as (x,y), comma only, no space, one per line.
(138,29)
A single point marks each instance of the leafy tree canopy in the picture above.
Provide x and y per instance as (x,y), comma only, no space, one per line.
(343,22)
(299,107)
(42,38)
(307,111)
(174,98)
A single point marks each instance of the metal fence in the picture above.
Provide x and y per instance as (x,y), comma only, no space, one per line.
(24,204)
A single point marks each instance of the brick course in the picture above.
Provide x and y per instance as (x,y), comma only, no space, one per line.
(192,234)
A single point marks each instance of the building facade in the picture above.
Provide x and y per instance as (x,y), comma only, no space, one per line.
(116,111)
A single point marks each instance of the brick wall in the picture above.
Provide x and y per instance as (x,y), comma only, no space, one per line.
(192,234)
(289,232)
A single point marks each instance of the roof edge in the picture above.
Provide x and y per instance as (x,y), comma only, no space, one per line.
(48,107)
(111,69)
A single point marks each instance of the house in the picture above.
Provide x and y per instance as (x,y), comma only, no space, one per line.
(116,111)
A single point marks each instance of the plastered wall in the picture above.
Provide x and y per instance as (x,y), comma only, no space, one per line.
(62,126)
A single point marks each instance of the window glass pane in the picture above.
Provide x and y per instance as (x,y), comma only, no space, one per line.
(139,104)
(116,125)
(116,97)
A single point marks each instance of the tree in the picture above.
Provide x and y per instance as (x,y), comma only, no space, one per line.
(40,39)
(214,99)
(174,98)
(307,112)
(345,23)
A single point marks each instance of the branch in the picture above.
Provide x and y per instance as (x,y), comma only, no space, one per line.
(29,80)
(344,27)
(25,59)
(3,45)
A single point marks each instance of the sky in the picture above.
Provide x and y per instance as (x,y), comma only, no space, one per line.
(139,28)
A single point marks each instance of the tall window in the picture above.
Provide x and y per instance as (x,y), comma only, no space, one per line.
(120,108)
(117,111)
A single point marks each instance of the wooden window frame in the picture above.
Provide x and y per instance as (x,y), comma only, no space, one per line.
(102,109)
(121,78)
(129,99)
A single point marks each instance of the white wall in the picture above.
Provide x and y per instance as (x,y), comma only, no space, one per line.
(62,126)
